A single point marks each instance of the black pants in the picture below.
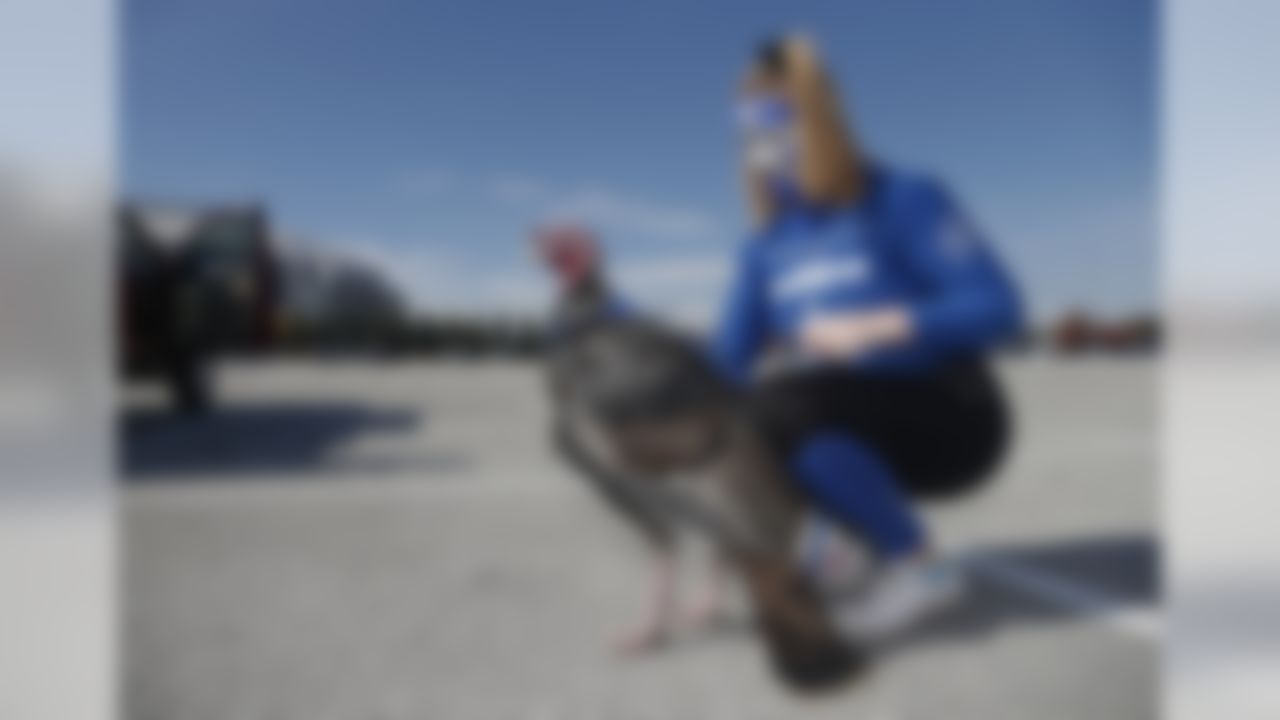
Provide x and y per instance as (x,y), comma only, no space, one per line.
(941,433)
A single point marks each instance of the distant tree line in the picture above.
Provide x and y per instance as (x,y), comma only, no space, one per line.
(427,336)
(1074,334)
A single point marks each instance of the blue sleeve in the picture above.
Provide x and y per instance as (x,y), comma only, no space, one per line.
(743,320)
(970,302)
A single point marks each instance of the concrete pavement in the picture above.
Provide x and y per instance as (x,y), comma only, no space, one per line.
(395,541)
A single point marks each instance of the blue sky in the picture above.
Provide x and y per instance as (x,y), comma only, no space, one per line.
(427,136)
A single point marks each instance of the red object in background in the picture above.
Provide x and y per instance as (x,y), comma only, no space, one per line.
(571,251)
(1078,332)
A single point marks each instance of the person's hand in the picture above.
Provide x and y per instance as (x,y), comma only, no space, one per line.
(854,334)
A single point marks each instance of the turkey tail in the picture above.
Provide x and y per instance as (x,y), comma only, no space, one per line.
(804,647)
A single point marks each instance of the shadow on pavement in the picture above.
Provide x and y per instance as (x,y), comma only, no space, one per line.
(1120,571)
(238,442)
(1120,568)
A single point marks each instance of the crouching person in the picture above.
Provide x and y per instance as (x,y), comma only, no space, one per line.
(883,299)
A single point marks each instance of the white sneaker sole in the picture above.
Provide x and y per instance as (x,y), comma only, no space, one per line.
(854,627)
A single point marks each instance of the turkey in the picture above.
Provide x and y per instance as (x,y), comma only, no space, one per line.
(646,419)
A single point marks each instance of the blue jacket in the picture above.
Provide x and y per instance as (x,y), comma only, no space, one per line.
(905,243)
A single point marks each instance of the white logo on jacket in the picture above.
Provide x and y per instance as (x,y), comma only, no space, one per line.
(816,275)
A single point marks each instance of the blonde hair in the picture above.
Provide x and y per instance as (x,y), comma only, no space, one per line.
(830,165)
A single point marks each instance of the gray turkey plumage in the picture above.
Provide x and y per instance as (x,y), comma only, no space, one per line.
(643,415)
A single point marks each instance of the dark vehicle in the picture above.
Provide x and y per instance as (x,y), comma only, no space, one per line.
(193,282)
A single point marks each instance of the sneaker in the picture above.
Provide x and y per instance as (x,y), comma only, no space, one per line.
(902,595)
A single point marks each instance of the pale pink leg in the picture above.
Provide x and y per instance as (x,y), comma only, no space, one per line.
(708,607)
(653,627)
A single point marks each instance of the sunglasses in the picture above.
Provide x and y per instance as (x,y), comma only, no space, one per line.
(763,114)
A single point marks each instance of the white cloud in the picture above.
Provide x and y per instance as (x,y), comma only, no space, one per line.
(610,209)
(602,207)
(434,278)
(685,289)
(605,208)
(676,272)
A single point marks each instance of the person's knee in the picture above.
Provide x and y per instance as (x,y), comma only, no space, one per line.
(849,481)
